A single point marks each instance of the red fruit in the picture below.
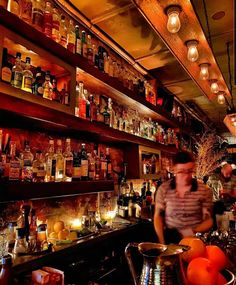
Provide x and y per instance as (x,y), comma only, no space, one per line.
(216,256)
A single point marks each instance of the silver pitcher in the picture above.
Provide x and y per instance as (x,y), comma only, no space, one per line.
(161,264)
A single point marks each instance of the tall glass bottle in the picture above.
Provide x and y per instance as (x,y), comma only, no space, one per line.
(84,43)
(91,166)
(78,44)
(68,161)
(71,37)
(89,50)
(26,11)
(93,108)
(27,79)
(63,32)
(50,159)
(47,19)
(39,167)
(59,176)
(14,168)
(76,166)
(109,166)
(17,72)
(47,86)
(55,25)
(37,21)
(103,173)
(97,165)
(27,164)
(6,271)
(111,112)
(82,101)
(84,163)
(6,71)
(37,86)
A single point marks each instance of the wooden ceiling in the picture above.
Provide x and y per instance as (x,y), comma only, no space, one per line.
(123,23)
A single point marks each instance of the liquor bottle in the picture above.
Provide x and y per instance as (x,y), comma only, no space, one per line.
(68,161)
(17,72)
(106,62)
(93,108)
(27,164)
(106,116)
(103,173)
(91,166)
(6,270)
(63,32)
(59,175)
(55,93)
(88,114)
(14,168)
(47,86)
(50,159)
(89,50)
(78,44)
(76,175)
(27,78)
(82,101)
(37,21)
(109,165)
(37,86)
(47,19)
(39,167)
(100,58)
(71,37)
(55,25)
(100,117)
(111,112)
(6,71)
(84,44)
(26,11)
(84,163)
(20,244)
(65,96)
(14,7)
(32,243)
(97,165)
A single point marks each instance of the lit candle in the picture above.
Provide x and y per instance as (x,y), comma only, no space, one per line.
(76,224)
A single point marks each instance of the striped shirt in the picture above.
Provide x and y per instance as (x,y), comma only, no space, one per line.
(186,212)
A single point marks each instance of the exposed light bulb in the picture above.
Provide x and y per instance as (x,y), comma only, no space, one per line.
(192,50)
(214,87)
(173,23)
(221,98)
(234,124)
(204,71)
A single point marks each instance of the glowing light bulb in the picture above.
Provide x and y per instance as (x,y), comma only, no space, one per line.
(192,50)
(214,87)
(221,98)
(173,23)
(204,71)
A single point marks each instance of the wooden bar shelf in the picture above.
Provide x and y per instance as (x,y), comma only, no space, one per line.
(13,191)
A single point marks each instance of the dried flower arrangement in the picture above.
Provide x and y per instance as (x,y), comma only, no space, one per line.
(209,154)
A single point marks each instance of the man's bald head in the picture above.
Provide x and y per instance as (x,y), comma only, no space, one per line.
(227,171)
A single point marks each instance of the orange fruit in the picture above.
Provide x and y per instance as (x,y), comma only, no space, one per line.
(63,234)
(201,271)
(197,248)
(216,256)
(220,279)
(58,226)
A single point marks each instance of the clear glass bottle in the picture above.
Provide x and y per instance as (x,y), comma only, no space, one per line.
(68,159)
(14,168)
(63,32)
(78,44)
(59,176)
(27,164)
(84,162)
(38,8)
(39,167)
(26,11)
(17,72)
(47,86)
(55,25)
(111,112)
(50,159)
(21,245)
(47,19)
(27,79)
(71,37)
(6,71)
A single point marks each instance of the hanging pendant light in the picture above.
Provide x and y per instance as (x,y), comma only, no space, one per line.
(173,23)
(192,50)
(214,86)
(204,71)
(221,97)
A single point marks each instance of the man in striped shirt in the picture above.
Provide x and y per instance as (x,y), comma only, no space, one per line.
(183,204)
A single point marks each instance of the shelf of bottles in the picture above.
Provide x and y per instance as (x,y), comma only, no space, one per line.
(78,49)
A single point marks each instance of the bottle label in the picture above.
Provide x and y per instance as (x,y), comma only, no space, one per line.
(27,173)
(77,172)
(103,165)
(14,171)
(68,167)
(109,168)
(6,74)
(17,79)
(27,82)
(78,46)
(84,168)
(39,90)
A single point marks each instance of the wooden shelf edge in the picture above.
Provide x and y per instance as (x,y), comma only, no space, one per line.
(29,191)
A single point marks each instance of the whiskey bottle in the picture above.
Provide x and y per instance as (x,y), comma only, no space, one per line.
(55,25)
(76,174)
(27,164)
(47,86)
(37,86)
(109,165)
(14,168)
(84,44)
(111,113)
(68,161)
(63,32)
(89,50)
(82,101)
(37,21)
(106,116)
(55,93)
(47,19)
(39,167)
(26,11)
(6,71)
(84,163)
(50,159)
(59,176)
(78,46)
(27,78)
(71,37)
(17,72)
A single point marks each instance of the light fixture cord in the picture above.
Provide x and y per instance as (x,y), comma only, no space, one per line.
(207,23)
(230,74)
